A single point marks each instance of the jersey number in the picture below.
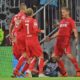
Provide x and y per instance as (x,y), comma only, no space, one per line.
(27,25)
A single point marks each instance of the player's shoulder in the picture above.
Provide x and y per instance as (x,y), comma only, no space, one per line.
(61,21)
(34,19)
(30,19)
(71,19)
(14,17)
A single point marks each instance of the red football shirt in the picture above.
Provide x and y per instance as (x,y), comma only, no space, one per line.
(66,27)
(31,26)
(17,20)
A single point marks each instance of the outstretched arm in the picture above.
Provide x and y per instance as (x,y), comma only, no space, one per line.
(52,37)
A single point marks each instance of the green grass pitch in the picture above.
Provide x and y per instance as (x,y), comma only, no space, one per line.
(47,78)
(6,68)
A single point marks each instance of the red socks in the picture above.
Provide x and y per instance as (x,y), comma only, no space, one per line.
(25,67)
(32,64)
(74,61)
(41,65)
(62,67)
(20,63)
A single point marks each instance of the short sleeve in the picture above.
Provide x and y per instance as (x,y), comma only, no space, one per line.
(36,26)
(12,21)
(73,25)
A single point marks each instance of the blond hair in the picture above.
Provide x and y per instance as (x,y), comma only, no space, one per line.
(23,7)
(65,8)
(30,12)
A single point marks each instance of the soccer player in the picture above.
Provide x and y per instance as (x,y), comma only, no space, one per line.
(33,47)
(62,46)
(17,34)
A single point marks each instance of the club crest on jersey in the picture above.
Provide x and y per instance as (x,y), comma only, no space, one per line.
(35,24)
(17,22)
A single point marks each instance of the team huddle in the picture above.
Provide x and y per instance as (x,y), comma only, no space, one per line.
(26,47)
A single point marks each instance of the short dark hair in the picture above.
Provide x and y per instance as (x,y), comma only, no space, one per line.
(22,6)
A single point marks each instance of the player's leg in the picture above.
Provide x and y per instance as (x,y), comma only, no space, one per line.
(21,61)
(23,57)
(17,55)
(73,60)
(19,65)
(60,62)
(38,52)
(58,52)
(41,66)
(31,67)
(15,50)
(25,68)
(75,63)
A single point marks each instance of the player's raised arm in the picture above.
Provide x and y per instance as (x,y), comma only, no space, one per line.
(52,37)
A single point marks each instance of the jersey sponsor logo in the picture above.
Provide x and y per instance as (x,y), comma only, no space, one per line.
(63,25)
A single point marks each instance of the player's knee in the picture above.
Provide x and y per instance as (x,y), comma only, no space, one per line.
(24,54)
(41,56)
(69,56)
(53,60)
(55,57)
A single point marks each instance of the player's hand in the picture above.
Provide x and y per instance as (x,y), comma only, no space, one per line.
(55,25)
(14,39)
(47,39)
(42,31)
(76,41)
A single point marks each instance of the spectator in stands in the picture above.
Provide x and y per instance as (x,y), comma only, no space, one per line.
(32,3)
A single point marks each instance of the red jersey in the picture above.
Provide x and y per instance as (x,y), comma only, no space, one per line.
(33,48)
(31,26)
(66,27)
(16,21)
